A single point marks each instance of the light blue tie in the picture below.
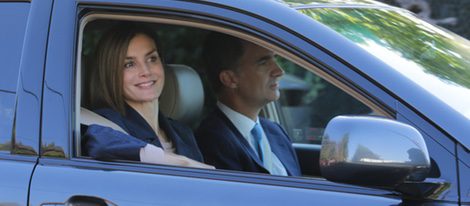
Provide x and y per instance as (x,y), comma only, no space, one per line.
(257,133)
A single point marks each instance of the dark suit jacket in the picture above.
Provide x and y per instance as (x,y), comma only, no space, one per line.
(105,143)
(224,147)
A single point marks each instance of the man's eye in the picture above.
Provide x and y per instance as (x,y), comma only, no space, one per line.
(128,65)
(262,62)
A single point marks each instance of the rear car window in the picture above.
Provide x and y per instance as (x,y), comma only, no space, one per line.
(13,17)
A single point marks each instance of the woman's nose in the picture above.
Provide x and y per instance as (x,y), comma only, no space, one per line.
(144,70)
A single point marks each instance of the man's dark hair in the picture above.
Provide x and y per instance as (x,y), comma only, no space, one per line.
(221,52)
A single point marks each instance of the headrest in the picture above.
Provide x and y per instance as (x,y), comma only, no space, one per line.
(182,97)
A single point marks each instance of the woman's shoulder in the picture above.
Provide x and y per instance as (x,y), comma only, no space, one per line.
(107,112)
(111,115)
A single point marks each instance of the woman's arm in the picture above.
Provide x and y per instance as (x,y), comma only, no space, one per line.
(155,155)
(105,143)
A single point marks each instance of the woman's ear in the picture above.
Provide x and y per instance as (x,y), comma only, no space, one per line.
(228,79)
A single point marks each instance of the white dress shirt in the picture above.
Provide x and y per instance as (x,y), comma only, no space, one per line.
(244,126)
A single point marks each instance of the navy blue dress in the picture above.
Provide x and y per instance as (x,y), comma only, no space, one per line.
(105,143)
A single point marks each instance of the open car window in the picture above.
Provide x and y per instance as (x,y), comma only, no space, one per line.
(308,100)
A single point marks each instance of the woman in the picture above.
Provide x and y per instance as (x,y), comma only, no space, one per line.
(126,81)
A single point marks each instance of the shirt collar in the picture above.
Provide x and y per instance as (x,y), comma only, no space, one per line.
(241,122)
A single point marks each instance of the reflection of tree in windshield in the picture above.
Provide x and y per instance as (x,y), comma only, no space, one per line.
(437,53)
(368,2)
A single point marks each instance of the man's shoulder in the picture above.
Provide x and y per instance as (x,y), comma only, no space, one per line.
(217,127)
(214,117)
(213,122)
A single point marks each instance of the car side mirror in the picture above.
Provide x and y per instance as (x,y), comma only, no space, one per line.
(372,151)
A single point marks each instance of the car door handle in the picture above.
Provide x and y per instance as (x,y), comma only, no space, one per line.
(83,200)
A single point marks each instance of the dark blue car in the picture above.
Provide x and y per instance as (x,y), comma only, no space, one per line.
(375,100)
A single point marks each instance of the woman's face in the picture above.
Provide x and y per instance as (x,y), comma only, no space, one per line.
(143,74)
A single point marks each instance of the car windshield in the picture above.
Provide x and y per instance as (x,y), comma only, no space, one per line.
(437,60)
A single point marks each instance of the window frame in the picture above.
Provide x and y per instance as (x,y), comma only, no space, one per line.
(271,110)
(241,31)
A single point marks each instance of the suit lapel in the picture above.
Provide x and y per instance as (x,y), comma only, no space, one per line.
(179,144)
(245,146)
(277,147)
(139,128)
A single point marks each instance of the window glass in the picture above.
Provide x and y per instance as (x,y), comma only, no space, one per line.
(308,102)
(7,105)
(432,58)
(13,18)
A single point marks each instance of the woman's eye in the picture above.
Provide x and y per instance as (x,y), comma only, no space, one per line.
(128,65)
(153,59)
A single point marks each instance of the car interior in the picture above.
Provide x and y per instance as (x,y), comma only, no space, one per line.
(303,110)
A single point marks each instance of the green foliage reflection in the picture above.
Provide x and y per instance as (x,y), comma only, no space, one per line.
(331,1)
(441,54)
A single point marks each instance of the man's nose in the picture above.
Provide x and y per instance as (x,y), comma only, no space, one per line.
(277,71)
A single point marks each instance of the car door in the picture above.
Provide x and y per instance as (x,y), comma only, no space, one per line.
(15,169)
(441,145)
(22,51)
(63,175)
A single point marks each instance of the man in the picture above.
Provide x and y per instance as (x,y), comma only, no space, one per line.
(244,77)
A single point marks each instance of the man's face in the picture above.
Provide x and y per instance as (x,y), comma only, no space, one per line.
(258,76)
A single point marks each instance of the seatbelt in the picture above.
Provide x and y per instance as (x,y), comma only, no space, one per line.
(88,117)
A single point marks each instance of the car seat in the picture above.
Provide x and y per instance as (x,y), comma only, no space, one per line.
(182,97)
